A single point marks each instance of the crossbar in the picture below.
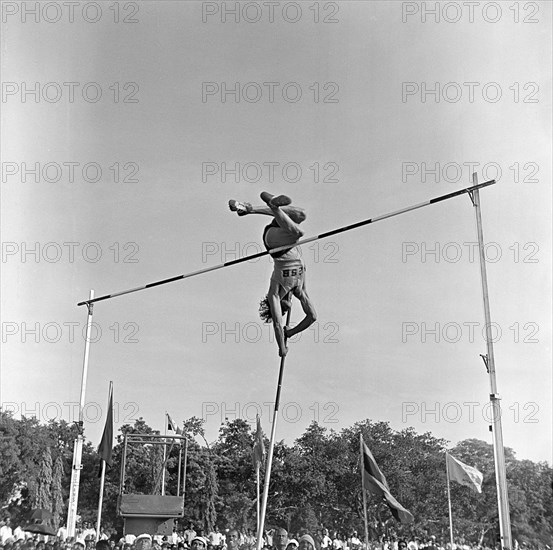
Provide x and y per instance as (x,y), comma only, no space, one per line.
(286,247)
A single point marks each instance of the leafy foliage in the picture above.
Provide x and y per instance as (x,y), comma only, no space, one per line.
(314,482)
(57,491)
(43,495)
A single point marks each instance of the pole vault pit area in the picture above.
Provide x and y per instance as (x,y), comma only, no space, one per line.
(154,514)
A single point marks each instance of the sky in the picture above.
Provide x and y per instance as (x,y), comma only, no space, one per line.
(127,127)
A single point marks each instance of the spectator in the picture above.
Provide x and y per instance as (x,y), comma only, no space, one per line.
(326,541)
(143,542)
(280,539)
(233,540)
(216,538)
(189,534)
(89,533)
(354,542)
(5,529)
(306,543)
(199,543)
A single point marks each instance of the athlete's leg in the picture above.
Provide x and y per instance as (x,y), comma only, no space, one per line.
(286,222)
(277,204)
(241,208)
(295,213)
(307,305)
(274,201)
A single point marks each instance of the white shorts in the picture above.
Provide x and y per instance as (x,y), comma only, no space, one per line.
(288,276)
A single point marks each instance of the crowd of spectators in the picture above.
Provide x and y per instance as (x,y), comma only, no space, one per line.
(193,538)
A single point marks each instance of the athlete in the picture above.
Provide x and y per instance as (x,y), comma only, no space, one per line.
(288,278)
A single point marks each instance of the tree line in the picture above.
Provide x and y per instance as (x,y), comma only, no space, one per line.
(315,481)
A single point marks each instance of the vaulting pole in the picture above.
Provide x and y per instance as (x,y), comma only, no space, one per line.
(499,452)
(267,480)
(78,445)
(299,243)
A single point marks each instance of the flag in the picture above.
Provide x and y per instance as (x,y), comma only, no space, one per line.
(258,451)
(106,444)
(463,473)
(171,425)
(375,482)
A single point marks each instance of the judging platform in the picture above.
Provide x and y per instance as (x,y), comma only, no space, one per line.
(152,514)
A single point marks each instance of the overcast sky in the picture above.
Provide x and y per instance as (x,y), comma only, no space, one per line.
(137,115)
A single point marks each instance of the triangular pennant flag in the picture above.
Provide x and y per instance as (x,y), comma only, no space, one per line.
(375,482)
(170,424)
(105,449)
(258,451)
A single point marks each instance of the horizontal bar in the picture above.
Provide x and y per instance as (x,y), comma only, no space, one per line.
(286,247)
(153,439)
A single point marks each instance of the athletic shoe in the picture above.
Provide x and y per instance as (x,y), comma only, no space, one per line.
(241,208)
(274,202)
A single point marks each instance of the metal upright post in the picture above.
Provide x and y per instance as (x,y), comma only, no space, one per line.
(362,468)
(78,445)
(499,452)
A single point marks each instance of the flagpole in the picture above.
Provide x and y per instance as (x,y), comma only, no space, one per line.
(164,455)
(100,500)
(449,502)
(499,451)
(103,477)
(185,464)
(258,500)
(363,490)
(179,469)
(267,480)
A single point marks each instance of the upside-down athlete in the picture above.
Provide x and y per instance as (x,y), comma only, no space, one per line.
(288,278)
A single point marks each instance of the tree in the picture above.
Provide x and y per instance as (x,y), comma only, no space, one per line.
(314,481)
(10,459)
(211,487)
(232,458)
(57,492)
(43,496)
(529,486)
